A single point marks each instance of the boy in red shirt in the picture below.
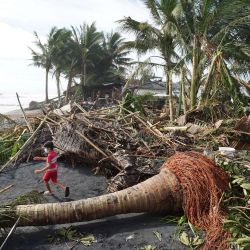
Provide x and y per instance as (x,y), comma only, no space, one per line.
(50,169)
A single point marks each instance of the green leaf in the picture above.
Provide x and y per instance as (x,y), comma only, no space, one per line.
(192,227)
(243,240)
(184,239)
(229,221)
(197,241)
(88,240)
(182,220)
(238,180)
(246,186)
(246,247)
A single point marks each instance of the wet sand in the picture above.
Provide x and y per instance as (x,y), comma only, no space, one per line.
(110,233)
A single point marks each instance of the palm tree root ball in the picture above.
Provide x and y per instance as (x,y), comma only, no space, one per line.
(203,184)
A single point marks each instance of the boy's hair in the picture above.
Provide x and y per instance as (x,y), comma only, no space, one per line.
(49,144)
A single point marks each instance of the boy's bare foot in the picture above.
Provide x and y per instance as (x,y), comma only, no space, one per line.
(66,191)
(47,193)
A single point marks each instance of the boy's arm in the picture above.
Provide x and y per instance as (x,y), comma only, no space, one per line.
(40,158)
(47,166)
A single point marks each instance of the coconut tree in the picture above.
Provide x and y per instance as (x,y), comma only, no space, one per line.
(43,57)
(160,36)
(70,72)
(196,30)
(61,52)
(88,43)
(111,66)
(210,28)
(223,76)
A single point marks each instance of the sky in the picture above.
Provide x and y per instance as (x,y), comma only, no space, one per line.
(20,18)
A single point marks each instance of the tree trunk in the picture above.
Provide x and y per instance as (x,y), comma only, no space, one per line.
(84,79)
(180,100)
(58,88)
(84,74)
(183,91)
(195,73)
(46,87)
(161,193)
(69,87)
(205,92)
(170,86)
(167,81)
(167,89)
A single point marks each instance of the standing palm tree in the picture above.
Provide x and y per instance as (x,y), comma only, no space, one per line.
(196,30)
(210,28)
(88,43)
(158,37)
(112,65)
(71,62)
(61,51)
(43,57)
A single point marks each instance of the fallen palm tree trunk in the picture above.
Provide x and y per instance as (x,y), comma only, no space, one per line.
(161,193)
(188,181)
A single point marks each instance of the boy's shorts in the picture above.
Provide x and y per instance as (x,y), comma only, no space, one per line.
(50,175)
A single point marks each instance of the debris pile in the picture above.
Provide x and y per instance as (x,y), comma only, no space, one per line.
(129,148)
(121,144)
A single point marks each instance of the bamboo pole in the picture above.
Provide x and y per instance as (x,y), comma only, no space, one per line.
(90,143)
(153,130)
(128,116)
(6,188)
(80,107)
(11,231)
(7,118)
(24,115)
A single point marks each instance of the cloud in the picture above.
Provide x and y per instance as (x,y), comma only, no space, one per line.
(40,15)
(18,20)
(14,42)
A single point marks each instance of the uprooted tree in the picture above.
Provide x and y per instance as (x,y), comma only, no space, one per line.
(187,182)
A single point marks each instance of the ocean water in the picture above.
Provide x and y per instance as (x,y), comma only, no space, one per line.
(8,101)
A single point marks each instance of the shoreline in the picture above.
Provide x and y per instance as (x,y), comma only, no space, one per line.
(17,113)
(17,117)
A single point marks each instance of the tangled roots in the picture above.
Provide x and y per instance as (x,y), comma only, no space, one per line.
(203,184)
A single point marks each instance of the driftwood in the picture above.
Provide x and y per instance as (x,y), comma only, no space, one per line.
(6,188)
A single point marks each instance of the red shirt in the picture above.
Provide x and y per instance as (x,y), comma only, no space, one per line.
(52,159)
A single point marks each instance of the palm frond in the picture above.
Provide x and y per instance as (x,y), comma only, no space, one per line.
(153,6)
